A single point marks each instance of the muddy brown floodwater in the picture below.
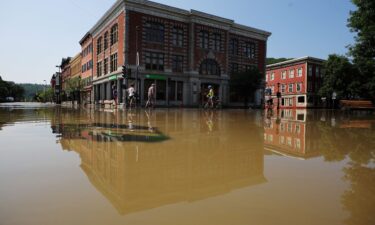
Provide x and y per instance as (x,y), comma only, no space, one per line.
(185,166)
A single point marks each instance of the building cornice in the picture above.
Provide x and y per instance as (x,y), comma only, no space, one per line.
(87,36)
(173,13)
(297,60)
(107,18)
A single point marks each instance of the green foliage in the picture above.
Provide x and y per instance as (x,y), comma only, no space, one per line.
(270,61)
(31,90)
(342,77)
(362,22)
(45,95)
(74,84)
(10,89)
(245,83)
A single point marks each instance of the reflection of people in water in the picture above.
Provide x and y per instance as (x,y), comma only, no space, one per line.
(269,114)
(209,120)
(148,114)
(130,121)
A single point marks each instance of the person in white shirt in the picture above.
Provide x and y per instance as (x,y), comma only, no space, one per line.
(131,92)
(151,96)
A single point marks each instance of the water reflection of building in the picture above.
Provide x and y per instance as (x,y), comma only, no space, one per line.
(287,132)
(193,165)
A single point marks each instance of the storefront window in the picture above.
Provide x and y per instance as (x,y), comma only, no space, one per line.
(172,90)
(161,87)
(180,90)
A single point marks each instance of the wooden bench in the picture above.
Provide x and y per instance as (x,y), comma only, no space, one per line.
(356,104)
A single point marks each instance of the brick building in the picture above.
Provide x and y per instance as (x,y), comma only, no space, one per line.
(65,76)
(298,81)
(181,51)
(87,68)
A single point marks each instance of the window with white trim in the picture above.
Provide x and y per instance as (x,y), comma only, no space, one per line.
(283,87)
(299,87)
(283,75)
(299,72)
(290,88)
(291,73)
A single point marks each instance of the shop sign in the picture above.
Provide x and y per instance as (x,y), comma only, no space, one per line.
(156,77)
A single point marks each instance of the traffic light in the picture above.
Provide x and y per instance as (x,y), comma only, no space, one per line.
(124,72)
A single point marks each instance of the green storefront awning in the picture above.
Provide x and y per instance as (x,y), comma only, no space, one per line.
(114,77)
(156,77)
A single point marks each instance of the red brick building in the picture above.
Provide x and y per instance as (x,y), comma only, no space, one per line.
(298,81)
(181,51)
(65,75)
(87,68)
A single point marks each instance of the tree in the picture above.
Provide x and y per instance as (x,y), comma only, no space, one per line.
(73,87)
(362,22)
(342,77)
(10,89)
(245,83)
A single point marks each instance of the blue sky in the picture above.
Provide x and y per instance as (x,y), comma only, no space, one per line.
(36,34)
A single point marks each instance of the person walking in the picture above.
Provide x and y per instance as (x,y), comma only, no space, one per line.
(210,97)
(151,96)
(131,92)
(114,94)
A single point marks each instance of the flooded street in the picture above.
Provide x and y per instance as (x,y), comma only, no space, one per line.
(186,166)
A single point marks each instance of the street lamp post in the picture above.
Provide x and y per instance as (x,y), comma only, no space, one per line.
(137,61)
(44,90)
(278,96)
(58,81)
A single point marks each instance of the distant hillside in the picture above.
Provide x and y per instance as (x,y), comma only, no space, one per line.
(276,60)
(31,90)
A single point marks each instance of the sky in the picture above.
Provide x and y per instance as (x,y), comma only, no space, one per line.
(36,34)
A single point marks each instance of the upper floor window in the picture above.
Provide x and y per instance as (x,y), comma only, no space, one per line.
(154,61)
(154,32)
(317,71)
(105,66)
(234,67)
(250,50)
(299,72)
(99,69)
(113,62)
(283,88)
(99,45)
(283,75)
(310,71)
(216,41)
(290,88)
(177,36)
(105,40)
(272,76)
(266,77)
(209,67)
(177,63)
(203,39)
(291,73)
(233,46)
(114,34)
(299,87)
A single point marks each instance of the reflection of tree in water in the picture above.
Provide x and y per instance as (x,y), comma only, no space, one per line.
(360,199)
(336,144)
(358,144)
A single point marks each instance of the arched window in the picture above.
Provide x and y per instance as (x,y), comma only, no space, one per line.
(209,67)
(99,45)
(114,34)
(105,40)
